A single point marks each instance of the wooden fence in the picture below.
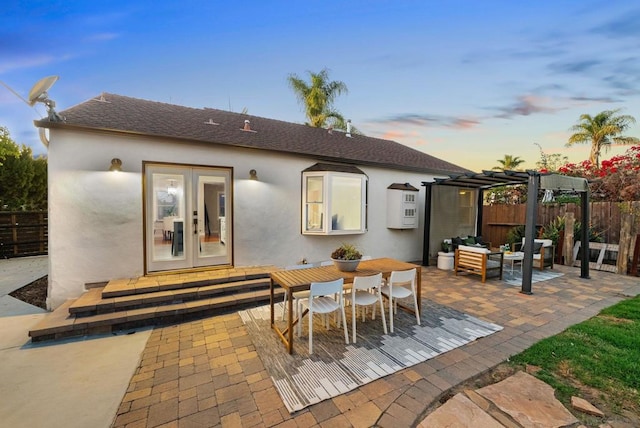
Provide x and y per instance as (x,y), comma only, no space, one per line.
(607,218)
(23,233)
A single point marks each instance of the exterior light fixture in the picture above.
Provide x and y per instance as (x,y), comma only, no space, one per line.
(116,165)
(253,175)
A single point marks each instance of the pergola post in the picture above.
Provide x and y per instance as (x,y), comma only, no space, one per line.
(530,232)
(584,239)
(427,224)
(480,203)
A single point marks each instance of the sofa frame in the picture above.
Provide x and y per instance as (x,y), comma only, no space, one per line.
(477,261)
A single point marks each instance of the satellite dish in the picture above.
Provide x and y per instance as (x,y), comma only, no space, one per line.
(38,94)
(39,90)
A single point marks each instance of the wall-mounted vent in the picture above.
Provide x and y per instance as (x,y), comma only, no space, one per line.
(211,122)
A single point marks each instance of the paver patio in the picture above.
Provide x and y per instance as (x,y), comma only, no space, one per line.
(207,372)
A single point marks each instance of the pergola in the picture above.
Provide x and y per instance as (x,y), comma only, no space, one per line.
(535,182)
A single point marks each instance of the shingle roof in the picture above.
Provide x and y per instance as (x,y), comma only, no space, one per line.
(117,113)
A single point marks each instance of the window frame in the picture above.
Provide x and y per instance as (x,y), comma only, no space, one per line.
(326,203)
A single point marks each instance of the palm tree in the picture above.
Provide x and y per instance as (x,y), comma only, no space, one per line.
(601,131)
(509,163)
(317,98)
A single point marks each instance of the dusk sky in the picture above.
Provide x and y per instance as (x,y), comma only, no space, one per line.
(465,81)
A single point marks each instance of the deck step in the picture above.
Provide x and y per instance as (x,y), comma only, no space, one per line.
(93,301)
(60,323)
(130,303)
(126,287)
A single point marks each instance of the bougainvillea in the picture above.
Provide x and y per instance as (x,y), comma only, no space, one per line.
(617,179)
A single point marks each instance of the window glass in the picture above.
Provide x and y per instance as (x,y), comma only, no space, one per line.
(334,202)
(346,203)
(314,204)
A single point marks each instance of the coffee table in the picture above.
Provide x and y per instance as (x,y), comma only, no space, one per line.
(518,256)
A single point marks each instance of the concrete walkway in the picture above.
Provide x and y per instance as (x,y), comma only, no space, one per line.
(72,383)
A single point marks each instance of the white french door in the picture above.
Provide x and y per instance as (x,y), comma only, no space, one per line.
(187,217)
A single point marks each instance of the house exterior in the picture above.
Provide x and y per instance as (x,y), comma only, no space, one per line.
(205,188)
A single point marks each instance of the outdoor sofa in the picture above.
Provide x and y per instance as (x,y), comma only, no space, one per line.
(478,261)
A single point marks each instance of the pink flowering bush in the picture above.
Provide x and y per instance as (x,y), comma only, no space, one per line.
(617,179)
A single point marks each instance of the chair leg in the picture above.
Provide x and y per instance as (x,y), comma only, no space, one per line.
(353,321)
(391,312)
(384,322)
(310,333)
(344,324)
(415,303)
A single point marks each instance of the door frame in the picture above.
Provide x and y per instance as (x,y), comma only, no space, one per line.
(229,213)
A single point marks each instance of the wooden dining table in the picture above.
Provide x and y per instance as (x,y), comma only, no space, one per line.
(295,280)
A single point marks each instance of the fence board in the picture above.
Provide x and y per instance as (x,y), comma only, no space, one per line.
(23,233)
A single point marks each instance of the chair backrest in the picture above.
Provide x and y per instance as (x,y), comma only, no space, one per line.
(168,223)
(366,258)
(366,282)
(326,263)
(294,267)
(326,288)
(403,277)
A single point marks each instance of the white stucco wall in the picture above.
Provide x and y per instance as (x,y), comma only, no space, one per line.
(96,224)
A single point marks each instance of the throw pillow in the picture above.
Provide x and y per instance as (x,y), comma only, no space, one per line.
(470,241)
(536,247)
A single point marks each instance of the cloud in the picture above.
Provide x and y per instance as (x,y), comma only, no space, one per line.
(578,66)
(526,105)
(25,61)
(414,119)
(102,37)
(624,26)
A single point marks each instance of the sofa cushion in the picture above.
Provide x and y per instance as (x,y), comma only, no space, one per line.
(480,250)
(536,247)
(470,240)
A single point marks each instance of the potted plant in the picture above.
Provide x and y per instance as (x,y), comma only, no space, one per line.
(346,257)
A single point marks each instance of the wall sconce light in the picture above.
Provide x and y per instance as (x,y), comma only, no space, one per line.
(253,175)
(116,165)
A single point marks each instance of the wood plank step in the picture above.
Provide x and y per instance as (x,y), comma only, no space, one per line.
(60,323)
(92,302)
(130,286)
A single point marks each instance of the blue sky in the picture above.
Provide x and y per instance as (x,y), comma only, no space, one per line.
(465,81)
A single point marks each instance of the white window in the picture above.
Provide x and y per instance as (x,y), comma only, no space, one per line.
(334,202)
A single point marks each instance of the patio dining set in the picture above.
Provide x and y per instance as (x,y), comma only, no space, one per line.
(325,289)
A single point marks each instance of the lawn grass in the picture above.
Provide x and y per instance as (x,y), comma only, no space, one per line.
(600,355)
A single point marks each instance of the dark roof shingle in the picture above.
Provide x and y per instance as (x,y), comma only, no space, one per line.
(117,113)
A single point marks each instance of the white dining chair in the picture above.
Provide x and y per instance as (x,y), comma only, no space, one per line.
(321,301)
(298,294)
(365,292)
(400,285)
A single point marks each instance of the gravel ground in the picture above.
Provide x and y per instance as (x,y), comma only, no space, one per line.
(35,293)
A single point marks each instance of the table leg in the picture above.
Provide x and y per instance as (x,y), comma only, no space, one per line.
(290,321)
